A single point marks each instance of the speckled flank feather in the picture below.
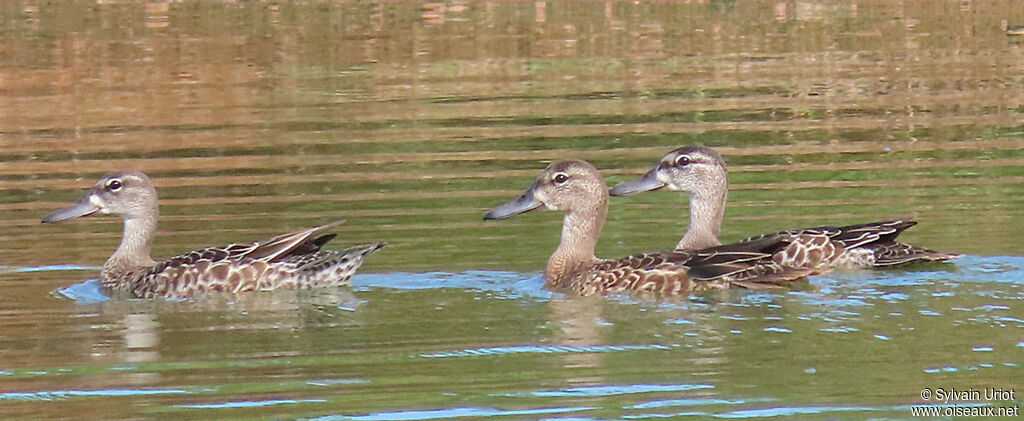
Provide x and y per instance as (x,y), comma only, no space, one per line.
(576,189)
(288,261)
(859,245)
(224,269)
(701,173)
(675,273)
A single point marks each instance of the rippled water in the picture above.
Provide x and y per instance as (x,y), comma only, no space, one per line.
(410,120)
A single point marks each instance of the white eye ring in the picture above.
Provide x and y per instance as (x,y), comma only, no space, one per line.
(560,178)
(114,185)
(683,160)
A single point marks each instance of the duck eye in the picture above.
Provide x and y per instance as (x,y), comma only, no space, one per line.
(561,178)
(114,185)
(682,161)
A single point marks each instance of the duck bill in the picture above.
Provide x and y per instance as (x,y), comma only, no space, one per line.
(646,182)
(525,203)
(83,207)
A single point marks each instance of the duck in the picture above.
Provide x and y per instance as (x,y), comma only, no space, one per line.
(701,173)
(575,188)
(289,261)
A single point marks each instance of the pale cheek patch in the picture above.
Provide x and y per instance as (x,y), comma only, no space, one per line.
(97,202)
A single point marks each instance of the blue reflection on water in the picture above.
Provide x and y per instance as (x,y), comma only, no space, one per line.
(695,402)
(332,382)
(792,411)
(833,289)
(511,284)
(623,389)
(540,349)
(86,292)
(51,395)
(48,268)
(429,414)
(248,404)
(838,304)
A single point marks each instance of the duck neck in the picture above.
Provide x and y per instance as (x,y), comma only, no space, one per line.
(707,208)
(133,253)
(580,230)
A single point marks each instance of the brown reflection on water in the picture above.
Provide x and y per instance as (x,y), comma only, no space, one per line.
(167,77)
(576,321)
(410,117)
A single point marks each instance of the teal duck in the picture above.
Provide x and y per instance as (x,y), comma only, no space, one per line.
(576,189)
(288,261)
(701,173)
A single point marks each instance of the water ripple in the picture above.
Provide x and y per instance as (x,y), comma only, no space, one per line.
(612,390)
(696,402)
(56,395)
(430,414)
(510,284)
(792,411)
(86,292)
(332,382)
(248,404)
(540,349)
(49,268)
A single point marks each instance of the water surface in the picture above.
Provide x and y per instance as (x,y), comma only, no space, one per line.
(410,120)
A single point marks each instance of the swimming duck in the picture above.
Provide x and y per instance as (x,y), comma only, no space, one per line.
(288,261)
(700,172)
(576,189)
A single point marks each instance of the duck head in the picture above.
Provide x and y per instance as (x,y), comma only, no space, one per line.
(566,186)
(690,169)
(127,193)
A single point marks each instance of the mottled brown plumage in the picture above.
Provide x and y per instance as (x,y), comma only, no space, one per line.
(701,173)
(576,189)
(288,261)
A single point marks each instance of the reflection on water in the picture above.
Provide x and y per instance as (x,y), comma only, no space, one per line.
(319,356)
(409,120)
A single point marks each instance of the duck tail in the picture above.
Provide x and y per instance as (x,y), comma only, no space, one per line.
(896,253)
(337,266)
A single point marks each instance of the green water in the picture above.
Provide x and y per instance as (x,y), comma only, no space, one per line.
(411,120)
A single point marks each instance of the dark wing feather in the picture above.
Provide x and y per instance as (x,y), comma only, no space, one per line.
(751,250)
(859,235)
(746,265)
(850,236)
(283,245)
(311,246)
(749,264)
(292,244)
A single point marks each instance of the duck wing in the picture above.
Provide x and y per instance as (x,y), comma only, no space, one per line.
(232,267)
(857,245)
(850,236)
(751,264)
(748,265)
